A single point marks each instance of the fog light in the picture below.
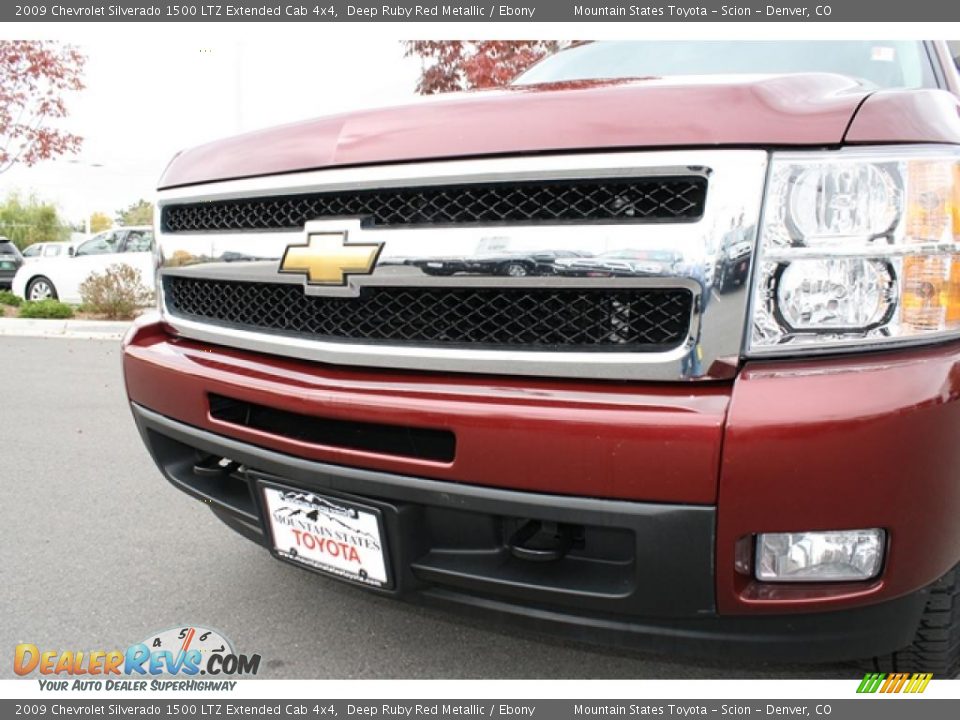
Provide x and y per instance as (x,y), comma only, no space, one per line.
(830,556)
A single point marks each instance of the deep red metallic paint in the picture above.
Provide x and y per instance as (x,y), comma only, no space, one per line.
(850,443)
(657,442)
(897,116)
(812,109)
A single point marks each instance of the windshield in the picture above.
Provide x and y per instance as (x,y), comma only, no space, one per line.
(876,63)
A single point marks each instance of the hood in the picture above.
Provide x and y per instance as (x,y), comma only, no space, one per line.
(807,109)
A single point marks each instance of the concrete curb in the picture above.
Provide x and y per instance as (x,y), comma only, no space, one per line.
(73,329)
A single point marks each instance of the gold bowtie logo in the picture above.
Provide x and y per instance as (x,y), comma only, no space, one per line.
(327,259)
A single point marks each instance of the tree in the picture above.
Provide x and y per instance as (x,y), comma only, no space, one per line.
(99,222)
(35,75)
(140,213)
(450,65)
(26,221)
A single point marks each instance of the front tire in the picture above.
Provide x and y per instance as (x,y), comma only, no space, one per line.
(936,646)
(41,288)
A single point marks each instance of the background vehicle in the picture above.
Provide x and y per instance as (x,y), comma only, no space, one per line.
(10,260)
(621,451)
(628,263)
(508,264)
(733,260)
(46,250)
(60,277)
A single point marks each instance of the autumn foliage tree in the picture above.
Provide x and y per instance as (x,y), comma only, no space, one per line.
(35,77)
(450,65)
(99,222)
(139,213)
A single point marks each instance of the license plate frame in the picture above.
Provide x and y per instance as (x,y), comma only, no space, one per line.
(333,530)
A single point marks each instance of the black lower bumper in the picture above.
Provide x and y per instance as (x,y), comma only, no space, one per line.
(637,574)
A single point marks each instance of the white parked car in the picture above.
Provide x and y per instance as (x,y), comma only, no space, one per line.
(34,252)
(60,277)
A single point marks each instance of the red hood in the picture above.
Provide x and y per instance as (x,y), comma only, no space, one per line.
(812,109)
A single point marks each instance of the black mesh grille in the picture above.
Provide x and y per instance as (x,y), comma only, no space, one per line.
(637,199)
(634,319)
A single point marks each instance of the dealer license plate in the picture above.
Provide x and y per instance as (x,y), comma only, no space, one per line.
(328,534)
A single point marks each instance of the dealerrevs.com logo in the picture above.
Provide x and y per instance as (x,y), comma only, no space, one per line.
(183,652)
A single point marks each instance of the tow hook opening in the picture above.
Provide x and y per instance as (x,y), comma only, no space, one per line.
(214,466)
(543,541)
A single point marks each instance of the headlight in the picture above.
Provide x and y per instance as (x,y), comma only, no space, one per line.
(858,248)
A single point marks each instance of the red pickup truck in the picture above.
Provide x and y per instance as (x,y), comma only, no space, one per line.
(659,345)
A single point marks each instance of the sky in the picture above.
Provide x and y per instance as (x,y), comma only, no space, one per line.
(145,100)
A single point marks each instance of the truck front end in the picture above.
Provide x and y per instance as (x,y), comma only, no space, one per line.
(524,382)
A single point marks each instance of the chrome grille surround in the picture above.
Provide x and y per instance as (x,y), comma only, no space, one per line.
(612,255)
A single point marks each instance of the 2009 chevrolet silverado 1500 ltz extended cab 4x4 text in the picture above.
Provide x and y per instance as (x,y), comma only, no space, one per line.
(660,345)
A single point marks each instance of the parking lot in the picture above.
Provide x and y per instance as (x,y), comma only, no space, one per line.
(99,551)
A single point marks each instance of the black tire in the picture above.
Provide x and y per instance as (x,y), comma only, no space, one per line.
(38,280)
(936,646)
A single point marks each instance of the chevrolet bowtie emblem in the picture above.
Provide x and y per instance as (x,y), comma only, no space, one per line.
(327,259)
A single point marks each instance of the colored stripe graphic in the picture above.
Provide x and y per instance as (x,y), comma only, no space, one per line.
(913,683)
(863,683)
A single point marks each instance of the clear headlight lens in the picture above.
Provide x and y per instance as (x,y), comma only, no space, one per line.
(840,293)
(832,556)
(858,247)
(827,201)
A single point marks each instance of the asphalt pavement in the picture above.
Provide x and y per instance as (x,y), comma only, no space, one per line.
(99,551)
